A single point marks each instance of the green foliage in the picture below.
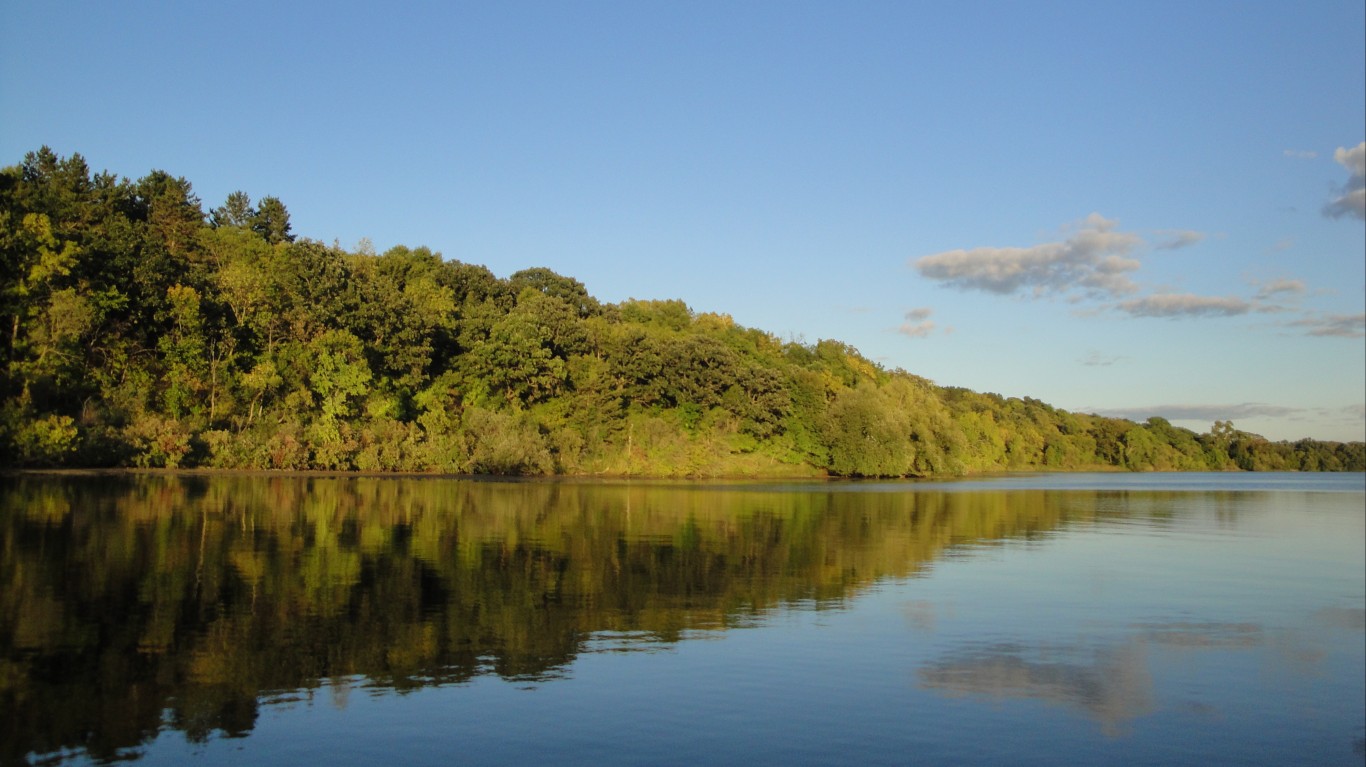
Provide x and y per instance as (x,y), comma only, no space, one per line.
(271,221)
(138,331)
(236,211)
(184,352)
(338,374)
(867,435)
(49,440)
(501,443)
(564,289)
(518,360)
(158,441)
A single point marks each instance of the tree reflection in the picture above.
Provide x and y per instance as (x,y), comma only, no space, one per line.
(130,604)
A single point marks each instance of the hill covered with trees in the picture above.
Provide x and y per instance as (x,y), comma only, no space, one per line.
(143,331)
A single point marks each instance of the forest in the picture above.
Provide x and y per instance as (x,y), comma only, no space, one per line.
(144,331)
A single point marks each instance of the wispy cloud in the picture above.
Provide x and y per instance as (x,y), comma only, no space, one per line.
(1201,412)
(1333,325)
(1097,359)
(1352,201)
(1174,305)
(1094,260)
(1093,265)
(1284,243)
(1173,239)
(918,323)
(1301,154)
(1281,287)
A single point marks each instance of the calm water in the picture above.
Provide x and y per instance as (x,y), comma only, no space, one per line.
(1121,619)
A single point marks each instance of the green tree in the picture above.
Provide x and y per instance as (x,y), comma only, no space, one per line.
(185,352)
(566,289)
(172,212)
(517,360)
(271,221)
(47,315)
(339,374)
(236,211)
(867,435)
(1141,449)
(403,313)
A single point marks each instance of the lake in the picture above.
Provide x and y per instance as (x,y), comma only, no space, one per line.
(1067,618)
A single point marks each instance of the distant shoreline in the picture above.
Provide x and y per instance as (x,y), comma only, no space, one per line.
(126,471)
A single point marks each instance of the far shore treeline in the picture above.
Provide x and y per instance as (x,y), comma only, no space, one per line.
(140,330)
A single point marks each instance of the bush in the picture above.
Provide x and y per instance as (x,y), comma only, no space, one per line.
(45,441)
(500,443)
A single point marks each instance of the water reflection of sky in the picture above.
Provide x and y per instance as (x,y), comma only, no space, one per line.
(1160,481)
(1244,609)
(1134,623)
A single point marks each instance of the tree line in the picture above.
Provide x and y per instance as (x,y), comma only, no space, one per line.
(143,331)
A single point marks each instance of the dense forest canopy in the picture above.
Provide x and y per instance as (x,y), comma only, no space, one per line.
(141,331)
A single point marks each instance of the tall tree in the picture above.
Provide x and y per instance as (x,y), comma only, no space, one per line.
(44,312)
(272,221)
(172,211)
(235,211)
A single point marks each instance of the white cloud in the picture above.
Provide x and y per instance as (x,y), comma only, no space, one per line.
(1352,201)
(1211,413)
(1281,286)
(1354,159)
(1094,263)
(1186,305)
(1334,325)
(918,323)
(1178,238)
(1094,260)
(1097,359)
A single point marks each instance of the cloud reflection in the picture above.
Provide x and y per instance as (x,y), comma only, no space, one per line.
(1113,685)
(1211,635)
(1350,618)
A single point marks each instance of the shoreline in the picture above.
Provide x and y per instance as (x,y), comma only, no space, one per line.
(123,471)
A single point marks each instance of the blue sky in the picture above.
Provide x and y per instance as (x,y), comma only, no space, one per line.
(1134,209)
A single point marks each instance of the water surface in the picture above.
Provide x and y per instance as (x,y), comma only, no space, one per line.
(1120,618)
